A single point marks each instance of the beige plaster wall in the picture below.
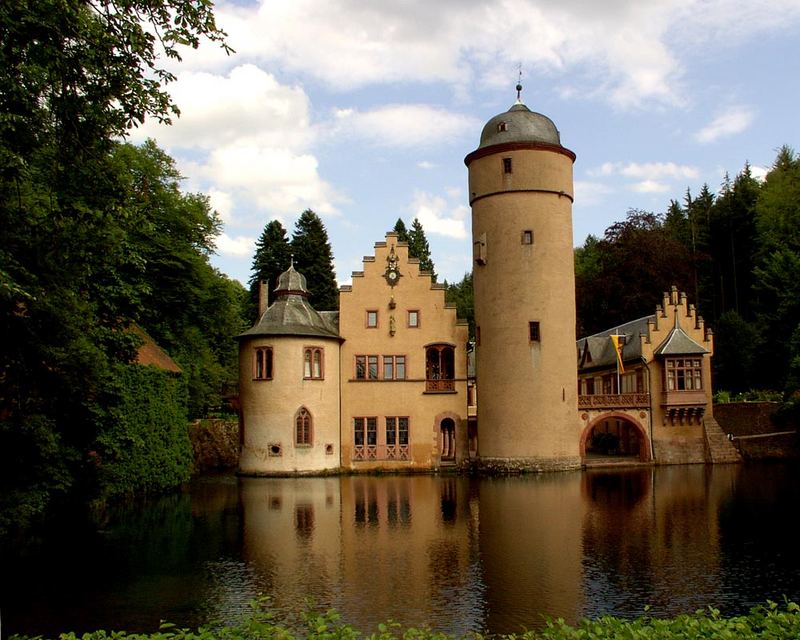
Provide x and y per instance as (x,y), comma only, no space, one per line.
(269,407)
(677,443)
(528,397)
(381,398)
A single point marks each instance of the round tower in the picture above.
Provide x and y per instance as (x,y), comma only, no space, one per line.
(289,386)
(521,192)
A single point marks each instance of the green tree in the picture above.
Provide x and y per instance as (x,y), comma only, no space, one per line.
(74,77)
(400,230)
(461,294)
(622,276)
(777,272)
(313,258)
(272,257)
(419,248)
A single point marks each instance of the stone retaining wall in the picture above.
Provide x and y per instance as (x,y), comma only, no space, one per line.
(215,444)
(744,420)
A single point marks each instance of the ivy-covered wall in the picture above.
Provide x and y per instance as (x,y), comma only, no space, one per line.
(146,446)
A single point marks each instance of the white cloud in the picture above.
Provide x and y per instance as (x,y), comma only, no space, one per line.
(221,202)
(425,164)
(626,53)
(734,121)
(246,139)
(650,186)
(403,125)
(438,217)
(236,246)
(649,170)
(587,193)
(277,180)
(246,103)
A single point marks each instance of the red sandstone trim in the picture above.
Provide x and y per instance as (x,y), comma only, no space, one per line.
(518,146)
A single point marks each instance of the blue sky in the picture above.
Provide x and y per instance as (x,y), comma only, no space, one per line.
(364,110)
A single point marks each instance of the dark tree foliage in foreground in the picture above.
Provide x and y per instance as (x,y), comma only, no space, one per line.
(272,257)
(313,258)
(76,266)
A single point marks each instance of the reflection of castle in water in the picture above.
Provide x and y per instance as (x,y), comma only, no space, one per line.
(471,554)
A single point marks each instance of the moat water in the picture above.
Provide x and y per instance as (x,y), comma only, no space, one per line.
(455,553)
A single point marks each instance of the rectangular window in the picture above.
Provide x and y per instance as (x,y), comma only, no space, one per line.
(589,386)
(394,367)
(506,165)
(534,335)
(396,438)
(372,319)
(263,363)
(367,367)
(312,363)
(527,237)
(413,318)
(365,432)
(684,374)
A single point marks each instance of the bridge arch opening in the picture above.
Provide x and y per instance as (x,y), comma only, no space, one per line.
(615,435)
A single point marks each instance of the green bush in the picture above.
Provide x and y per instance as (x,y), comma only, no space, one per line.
(765,622)
(145,447)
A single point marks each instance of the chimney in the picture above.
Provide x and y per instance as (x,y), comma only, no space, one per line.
(262,297)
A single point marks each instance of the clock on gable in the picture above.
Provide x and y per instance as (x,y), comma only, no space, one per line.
(392,273)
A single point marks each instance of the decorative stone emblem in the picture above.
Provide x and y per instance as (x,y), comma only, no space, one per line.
(392,274)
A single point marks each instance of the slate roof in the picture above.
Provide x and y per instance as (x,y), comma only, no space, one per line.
(601,351)
(291,314)
(678,343)
(520,125)
(601,354)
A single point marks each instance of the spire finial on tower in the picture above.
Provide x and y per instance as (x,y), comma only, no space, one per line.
(291,261)
(519,85)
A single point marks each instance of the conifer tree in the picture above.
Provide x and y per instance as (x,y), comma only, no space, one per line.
(400,230)
(313,258)
(272,257)
(418,247)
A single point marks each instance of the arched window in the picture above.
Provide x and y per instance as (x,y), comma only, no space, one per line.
(303,428)
(440,368)
(263,363)
(313,363)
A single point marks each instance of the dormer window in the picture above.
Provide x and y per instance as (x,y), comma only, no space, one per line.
(502,126)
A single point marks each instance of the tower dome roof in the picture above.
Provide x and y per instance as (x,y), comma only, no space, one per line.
(519,124)
(291,314)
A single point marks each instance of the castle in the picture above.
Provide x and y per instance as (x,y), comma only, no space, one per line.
(387,383)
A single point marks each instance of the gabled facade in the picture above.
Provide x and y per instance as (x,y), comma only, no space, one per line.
(644,387)
(380,385)
(404,367)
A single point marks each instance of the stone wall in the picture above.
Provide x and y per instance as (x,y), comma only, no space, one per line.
(754,432)
(215,444)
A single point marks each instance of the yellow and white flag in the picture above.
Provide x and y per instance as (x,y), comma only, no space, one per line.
(618,344)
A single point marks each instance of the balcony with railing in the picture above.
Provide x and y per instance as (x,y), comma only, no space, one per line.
(614,401)
(437,385)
